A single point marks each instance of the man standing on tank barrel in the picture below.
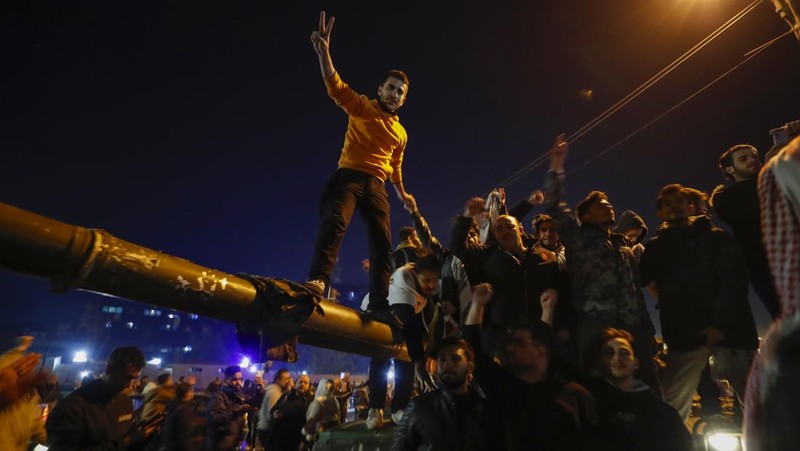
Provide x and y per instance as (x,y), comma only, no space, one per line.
(373,151)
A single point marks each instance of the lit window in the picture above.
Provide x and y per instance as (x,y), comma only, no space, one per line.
(105,309)
(193,316)
(129,325)
(187,348)
(108,324)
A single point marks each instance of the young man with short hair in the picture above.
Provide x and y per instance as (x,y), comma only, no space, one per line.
(455,415)
(603,270)
(225,412)
(373,151)
(548,243)
(412,286)
(738,205)
(631,417)
(701,280)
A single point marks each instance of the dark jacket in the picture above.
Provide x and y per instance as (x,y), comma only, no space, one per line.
(553,414)
(602,268)
(284,433)
(517,282)
(636,420)
(738,205)
(224,417)
(456,287)
(439,420)
(184,428)
(701,278)
(92,418)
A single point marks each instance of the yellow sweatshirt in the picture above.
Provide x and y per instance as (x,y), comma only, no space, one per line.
(375,140)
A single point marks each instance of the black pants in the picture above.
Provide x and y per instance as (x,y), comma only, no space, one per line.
(403,371)
(345,191)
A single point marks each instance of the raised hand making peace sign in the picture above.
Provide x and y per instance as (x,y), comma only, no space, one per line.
(321,39)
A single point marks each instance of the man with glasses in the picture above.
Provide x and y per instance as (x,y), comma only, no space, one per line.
(225,413)
(538,407)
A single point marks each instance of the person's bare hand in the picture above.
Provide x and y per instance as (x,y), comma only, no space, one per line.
(321,40)
(482,293)
(502,193)
(546,254)
(549,299)
(365,265)
(26,364)
(410,203)
(536,198)
(558,153)
(474,207)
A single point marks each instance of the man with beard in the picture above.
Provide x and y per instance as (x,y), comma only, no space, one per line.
(225,412)
(281,384)
(373,151)
(452,417)
(701,281)
(738,205)
(289,416)
(99,415)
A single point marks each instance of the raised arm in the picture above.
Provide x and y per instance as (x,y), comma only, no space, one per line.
(554,186)
(321,40)
(423,230)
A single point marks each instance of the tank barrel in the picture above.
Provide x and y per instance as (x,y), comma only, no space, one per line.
(74,257)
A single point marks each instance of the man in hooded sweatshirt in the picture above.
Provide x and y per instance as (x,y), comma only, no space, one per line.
(701,279)
(633,227)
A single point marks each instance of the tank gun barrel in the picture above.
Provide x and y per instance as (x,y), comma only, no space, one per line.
(74,257)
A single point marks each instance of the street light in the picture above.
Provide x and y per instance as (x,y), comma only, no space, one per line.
(80,357)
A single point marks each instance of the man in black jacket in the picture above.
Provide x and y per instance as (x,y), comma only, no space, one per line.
(701,281)
(536,408)
(225,412)
(737,204)
(452,417)
(99,415)
(519,276)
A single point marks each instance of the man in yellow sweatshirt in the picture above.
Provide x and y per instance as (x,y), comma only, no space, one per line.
(372,152)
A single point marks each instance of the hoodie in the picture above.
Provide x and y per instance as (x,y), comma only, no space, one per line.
(630,220)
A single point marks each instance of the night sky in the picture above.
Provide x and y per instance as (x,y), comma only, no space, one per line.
(203,129)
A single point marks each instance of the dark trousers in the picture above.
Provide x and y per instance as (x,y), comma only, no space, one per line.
(345,191)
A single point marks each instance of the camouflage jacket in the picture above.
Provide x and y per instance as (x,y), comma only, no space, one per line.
(602,268)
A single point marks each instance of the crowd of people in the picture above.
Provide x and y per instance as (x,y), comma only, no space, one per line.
(517,338)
